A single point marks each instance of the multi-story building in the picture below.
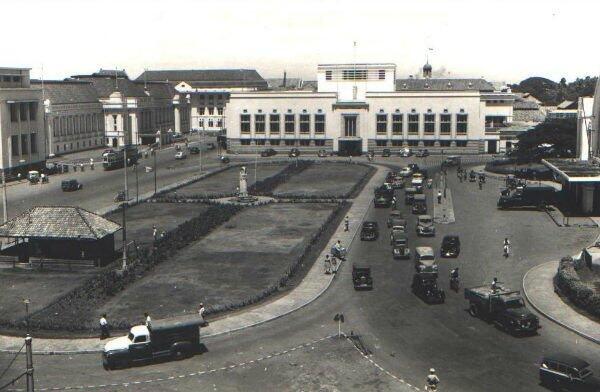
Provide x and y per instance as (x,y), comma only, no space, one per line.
(22,136)
(208,91)
(363,107)
(74,119)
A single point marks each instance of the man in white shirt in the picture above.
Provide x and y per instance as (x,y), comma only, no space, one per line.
(104,332)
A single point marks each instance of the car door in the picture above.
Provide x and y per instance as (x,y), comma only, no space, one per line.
(140,349)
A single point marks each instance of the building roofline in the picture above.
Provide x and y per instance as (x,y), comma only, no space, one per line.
(15,69)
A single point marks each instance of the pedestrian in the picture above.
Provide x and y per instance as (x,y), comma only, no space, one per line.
(334,264)
(148,320)
(104,330)
(154,232)
(346,223)
(495,284)
(327,265)
(163,234)
(201,313)
(439,196)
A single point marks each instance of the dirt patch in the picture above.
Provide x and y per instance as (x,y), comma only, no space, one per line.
(227,181)
(324,179)
(239,259)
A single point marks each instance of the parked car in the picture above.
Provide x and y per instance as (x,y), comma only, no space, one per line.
(563,372)
(194,150)
(322,153)
(180,155)
(425,226)
(537,196)
(70,185)
(450,246)
(294,153)
(425,259)
(33,176)
(422,153)
(361,277)
(224,159)
(452,160)
(369,231)
(405,152)
(424,286)
(269,152)
(386,152)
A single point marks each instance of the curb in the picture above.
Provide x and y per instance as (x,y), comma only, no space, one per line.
(562,324)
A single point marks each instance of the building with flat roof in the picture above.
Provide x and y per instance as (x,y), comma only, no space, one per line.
(22,136)
(364,107)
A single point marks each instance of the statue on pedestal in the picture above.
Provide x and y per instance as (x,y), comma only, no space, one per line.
(243,190)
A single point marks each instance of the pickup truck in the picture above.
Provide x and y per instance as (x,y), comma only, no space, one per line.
(502,306)
(527,196)
(176,338)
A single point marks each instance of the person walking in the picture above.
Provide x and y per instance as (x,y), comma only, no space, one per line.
(148,320)
(154,232)
(506,247)
(346,223)
(104,329)
(439,196)
(334,264)
(327,265)
(432,381)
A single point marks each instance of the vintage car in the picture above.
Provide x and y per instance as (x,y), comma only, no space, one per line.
(425,259)
(180,155)
(419,205)
(397,182)
(322,153)
(294,153)
(194,150)
(369,231)
(394,214)
(424,286)
(361,277)
(422,153)
(224,159)
(383,201)
(268,152)
(413,167)
(386,152)
(450,246)
(409,194)
(563,372)
(397,233)
(405,152)
(405,172)
(425,226)
(452,160)
(70,185)
(400,249)
(399,224)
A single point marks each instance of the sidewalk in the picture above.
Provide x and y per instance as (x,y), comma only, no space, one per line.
(538,288)
(312,286)
(443,213)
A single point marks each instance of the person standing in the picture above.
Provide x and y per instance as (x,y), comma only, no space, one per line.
(439,196)
(334,264)
(327,265)
(154,232)
(346,223)
(104,330)
(432,380)
(148,320)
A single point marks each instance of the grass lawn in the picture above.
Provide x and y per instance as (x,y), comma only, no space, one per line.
(239,259)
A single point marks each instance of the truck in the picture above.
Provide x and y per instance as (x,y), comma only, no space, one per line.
(175,338)
(527,196)
(503,307)
(115,159)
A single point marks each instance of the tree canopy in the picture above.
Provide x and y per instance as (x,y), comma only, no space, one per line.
(560,133)
(552,93)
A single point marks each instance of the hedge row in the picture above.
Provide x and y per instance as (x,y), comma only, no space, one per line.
(578,292)
(73,311)
(266,186)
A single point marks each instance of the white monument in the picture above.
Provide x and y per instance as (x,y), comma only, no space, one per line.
(243,192)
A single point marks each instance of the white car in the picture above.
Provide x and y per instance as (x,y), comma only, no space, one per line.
(180,155)
(405,172)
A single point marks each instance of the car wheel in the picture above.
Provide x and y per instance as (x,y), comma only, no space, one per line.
(473,310)
(178,354)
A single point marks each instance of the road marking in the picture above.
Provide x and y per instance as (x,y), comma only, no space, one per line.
(196,374)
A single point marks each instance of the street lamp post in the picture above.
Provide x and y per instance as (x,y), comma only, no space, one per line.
(155,170)
(4,198)
(27,301)
(124,206)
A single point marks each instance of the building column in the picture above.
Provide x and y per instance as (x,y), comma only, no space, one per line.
(177,120)
(135,136)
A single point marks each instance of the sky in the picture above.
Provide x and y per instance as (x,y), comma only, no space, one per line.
(503,41)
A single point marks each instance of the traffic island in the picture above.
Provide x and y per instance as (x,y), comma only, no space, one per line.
(443,212)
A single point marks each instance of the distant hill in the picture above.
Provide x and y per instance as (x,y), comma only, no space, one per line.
(552,93)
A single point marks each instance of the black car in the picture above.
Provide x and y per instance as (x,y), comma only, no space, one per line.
(386,152)
(194,150)
(422,153)
(361,277)
(383,201)
(369,231)
(424,286)
(294,153)
(269,152)
(224,159)
(70,185)
(450,246)
(413,167)
(562,372)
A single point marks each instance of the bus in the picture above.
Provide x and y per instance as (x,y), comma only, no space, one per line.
(114,160)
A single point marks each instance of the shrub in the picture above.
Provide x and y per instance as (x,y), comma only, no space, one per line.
(578,292)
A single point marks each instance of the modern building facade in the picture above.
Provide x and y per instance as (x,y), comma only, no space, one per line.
(22,136)
(208,91)
(363,107)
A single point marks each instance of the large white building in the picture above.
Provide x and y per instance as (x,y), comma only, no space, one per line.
(363,107)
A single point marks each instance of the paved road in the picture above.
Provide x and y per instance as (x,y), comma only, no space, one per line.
(406,335)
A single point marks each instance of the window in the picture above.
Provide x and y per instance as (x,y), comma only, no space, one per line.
(289,123)
(305,142)
(14,145)
(23,111)
(33,107)
(140,339)
(354,74)
(382,123)
(444,143)
(413,123)
(33,143)
(14,112)
(413,143)
(259,123)
(319,123)
(220,123)
(201,123)
(461,143)
(260,142)
(381,74)
(319,143)
(350,126)
(16,78)
(210,123)
(445,123)
(290,142)
(397,143)
(274,123)
(245,123)
(429,125)
(275,142)
(328,75)
(57,148)
(381,143)
(220,111)
(114,122)
(211,111)
(397,124)
(245,142)
(24,149)
(461,123)
(201,111)
(304,123)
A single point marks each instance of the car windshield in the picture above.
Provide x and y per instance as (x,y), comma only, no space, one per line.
(426,258)
(425,221)
(514,303)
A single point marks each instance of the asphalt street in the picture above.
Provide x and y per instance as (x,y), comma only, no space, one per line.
(405,335)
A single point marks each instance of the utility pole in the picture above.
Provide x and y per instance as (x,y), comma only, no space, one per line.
(4,199)
(155,170)
(29,360)
(124,207)
(200,148)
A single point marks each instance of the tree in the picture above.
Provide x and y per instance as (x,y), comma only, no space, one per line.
(560,133)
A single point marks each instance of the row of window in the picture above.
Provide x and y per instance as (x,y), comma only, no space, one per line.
(28,142)
(289,124)
(357,74)
(378,143)
(210,110)
(23,111)
(9,78)
(83,145)
(414,123)
(286,142)
(210,123)
(415,143)
(76,125)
